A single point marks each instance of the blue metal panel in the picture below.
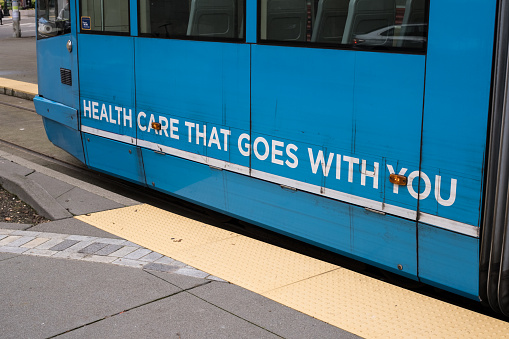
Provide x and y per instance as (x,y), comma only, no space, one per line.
(251,18)
(133,12)
(323,222)
(52,55)
(114,157)
(186,179)
(202,86)
(107,68)
(107,79)
(302,91)
(57,112)
(204,81)
(64,137)
(366,106)
(458,75)
(449,260)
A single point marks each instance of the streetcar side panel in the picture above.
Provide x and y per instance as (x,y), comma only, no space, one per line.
(455,125)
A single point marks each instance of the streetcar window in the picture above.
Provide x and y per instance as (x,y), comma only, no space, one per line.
(195,19)
(53,18)
(382,24)
(111,16)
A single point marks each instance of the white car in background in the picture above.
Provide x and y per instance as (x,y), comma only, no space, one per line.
(411,36)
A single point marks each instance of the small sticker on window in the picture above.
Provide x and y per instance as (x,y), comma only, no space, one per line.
(85,23)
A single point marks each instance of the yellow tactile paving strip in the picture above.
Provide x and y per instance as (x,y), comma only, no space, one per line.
(253,264)
(346,299)
(19,86)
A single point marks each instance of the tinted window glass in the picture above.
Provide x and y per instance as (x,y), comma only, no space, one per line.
(355,23)
(53,18)
(109,16)
(210,19)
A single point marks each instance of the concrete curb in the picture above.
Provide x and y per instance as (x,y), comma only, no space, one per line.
(17,93)
(101,192)
(33,194)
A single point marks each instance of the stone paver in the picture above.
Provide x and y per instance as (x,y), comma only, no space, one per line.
(123,251)
(151,257)
(161,267)
(80,245)
(138,254)
(108,249)
(26,233)
(21,241)
(42,253)
(69,255)
(99,258)
(8,240)
(129,262)
(93,249)
(81,238)
(112,241)
(49,244)
(55,235)
(63,245)
(165,260)
(36,242)
(192,272)
(7,249)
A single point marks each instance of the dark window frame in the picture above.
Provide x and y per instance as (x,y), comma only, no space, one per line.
(95,32)
(194,37)
(348,47)
(42,36)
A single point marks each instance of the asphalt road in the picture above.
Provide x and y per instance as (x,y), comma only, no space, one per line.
(27,27)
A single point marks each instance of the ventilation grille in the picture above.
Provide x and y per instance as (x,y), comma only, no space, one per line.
(65,76)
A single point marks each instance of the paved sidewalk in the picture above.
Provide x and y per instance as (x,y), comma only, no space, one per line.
(67,279)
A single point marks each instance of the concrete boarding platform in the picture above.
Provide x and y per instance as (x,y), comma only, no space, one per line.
(20,89)
(19,63)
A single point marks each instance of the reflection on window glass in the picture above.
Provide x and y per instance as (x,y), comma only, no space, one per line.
(53,18)
(110,16)
(192,18)
(355,23)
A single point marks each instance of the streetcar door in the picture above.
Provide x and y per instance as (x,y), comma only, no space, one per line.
(337,103)
(192,84)
(107,101)
(57,69)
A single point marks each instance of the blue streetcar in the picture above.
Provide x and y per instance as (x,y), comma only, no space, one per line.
(372,128)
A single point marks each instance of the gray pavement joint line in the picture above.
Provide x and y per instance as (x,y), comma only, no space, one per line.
(17,106)
(235,315)
(70,189)
(10,257)
(187,289)
(124,311)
